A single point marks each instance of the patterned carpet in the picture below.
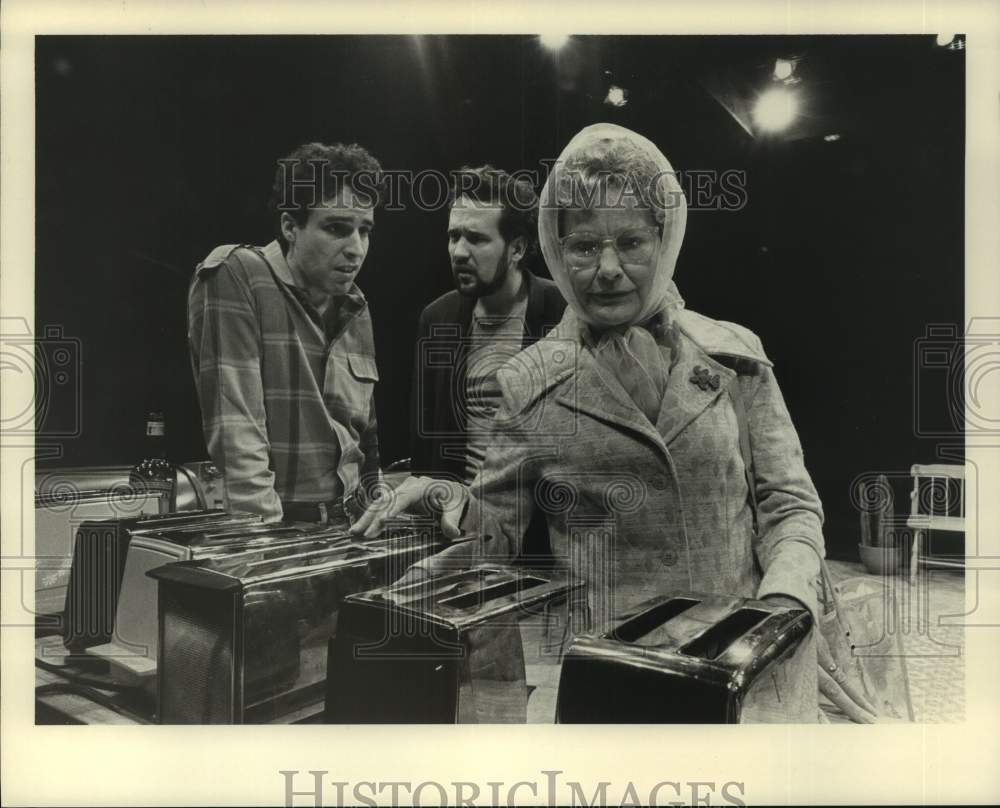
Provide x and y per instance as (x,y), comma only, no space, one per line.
(934,654)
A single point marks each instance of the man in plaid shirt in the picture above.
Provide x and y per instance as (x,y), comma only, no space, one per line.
(282,347)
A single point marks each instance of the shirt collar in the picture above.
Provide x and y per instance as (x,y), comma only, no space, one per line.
(276,258)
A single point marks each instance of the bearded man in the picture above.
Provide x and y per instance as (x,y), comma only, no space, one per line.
(498,308)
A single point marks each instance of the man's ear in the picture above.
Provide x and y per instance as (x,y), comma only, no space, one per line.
(518,247)
(289,227)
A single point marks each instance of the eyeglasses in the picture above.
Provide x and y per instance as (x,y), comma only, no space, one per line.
(633,246)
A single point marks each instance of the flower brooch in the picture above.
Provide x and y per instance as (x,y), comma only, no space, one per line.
(703,379)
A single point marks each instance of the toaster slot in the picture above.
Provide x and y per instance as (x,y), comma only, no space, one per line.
(642,629)
(478,597)
(716,640)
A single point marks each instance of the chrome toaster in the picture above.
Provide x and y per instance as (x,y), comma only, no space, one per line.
(133,645)
(243,636)
(447,650)
(99,556)
(688,658)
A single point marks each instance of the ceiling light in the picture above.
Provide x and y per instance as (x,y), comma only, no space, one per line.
(554,41)
(617,96)
(775,109)
(783,69)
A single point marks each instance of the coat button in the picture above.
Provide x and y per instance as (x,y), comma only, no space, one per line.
(669,558)
(659,482)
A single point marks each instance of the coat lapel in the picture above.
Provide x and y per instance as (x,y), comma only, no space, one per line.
(685,399)
(601,396)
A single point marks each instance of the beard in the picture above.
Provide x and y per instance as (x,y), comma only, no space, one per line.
(483,288)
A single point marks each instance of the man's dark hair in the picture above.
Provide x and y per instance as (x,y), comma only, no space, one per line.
(514,195)
(315,172)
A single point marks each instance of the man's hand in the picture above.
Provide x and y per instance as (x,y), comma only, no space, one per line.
(444,497)
(414,575)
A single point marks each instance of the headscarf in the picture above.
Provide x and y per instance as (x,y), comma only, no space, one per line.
(628,352)
(663,293)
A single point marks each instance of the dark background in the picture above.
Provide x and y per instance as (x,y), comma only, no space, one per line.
(153,150)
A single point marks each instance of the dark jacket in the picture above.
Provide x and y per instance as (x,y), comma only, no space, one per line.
(437,427)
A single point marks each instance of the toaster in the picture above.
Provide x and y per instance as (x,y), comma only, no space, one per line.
(243,637)
(132,649)
(64,499)
(689,658)
(99,556)
(447,650)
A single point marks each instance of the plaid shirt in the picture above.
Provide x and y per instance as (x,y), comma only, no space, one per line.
(286,394)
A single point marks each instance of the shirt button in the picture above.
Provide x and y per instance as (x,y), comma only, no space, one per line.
(660,482)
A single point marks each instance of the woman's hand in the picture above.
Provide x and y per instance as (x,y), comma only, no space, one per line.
(783,600)
(833,682)
(837,687)
(443,497)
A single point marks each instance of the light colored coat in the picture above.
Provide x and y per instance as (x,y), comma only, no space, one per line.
(638,510)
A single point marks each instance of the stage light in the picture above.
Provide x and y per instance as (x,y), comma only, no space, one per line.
(783,69)
(617,96)
(554,41)
(831,138)
(944,40)
(775,109)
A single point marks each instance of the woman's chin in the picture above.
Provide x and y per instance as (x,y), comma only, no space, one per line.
(612,313)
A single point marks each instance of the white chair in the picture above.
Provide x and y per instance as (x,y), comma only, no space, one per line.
(932,511)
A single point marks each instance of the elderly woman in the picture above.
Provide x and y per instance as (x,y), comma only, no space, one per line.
(631,426)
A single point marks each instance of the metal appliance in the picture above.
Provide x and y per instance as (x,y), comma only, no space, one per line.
(685,659)
(447,650)
(99,556)
(243,636)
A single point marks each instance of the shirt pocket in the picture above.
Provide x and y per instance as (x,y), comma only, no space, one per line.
(363,375)
(363,368)
(350,383)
